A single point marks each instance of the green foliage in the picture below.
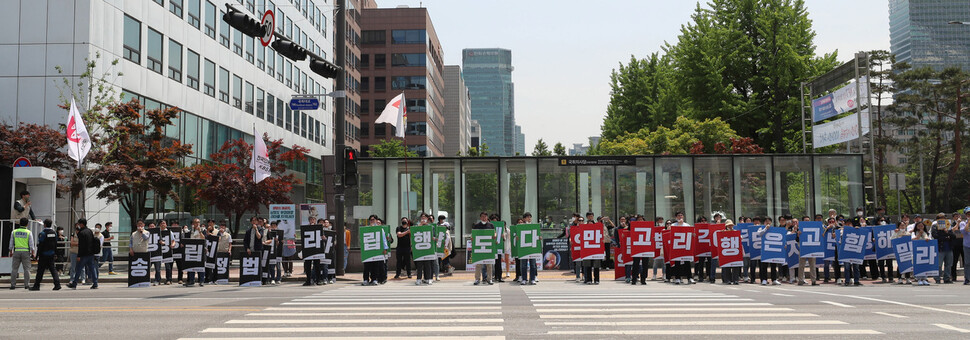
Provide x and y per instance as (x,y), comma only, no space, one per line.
(480,151)
(559,149)
(683,137)
(642,94)
(390,148)
(541,149)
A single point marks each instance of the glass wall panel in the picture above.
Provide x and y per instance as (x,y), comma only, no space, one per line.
(442,191)
(480,186)
(519,186)
(793,189)
(674,193)
(713,189)
(596,191)
(557,193)
(635,186)
(405,190)
(754,186)
(838,183)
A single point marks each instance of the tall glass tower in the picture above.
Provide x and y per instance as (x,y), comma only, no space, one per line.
(920,33)
(488,76)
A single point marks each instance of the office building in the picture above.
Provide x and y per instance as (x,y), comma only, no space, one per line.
(519,141)
(352,74)
(457,112)
(488,76)
(475,132)
(173,53)
(920,33)
(400,53)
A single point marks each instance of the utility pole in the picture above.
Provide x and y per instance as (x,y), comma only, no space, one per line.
(339,120)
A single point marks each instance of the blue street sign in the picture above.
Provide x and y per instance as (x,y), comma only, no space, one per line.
(304,104)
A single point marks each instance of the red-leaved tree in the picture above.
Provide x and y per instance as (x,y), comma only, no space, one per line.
(227,183)
(41,144)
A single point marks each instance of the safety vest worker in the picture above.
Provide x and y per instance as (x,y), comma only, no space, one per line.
(21,249)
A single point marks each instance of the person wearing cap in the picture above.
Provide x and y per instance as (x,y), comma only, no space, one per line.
(22,250)
(86,245)
(730,275)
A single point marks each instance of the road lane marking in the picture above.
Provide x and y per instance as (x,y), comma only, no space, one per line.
(837,304)
(883,301)
(462,308)
(325,303)
(685,309)
(102,310)
(651,304)
(945,326)
(724,332)
(376,314)
(357,338)
(353,329)
(362,321)
(780,294)
(698,323)
(892,315)
(690,315)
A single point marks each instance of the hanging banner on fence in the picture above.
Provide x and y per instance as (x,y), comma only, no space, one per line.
(222,268)
(592,242)
(811,240)
(642,239)
(682,244)
(154,244)
(773,245)
(527,243)
(177,249)
(702,238)
(211,252)
(483,246)
(852,248)
(371,243)
(249,271)
(870,253)
(313,242)
(840,101)
(138,274)
(556,254)
(831,244)
(422,243)
(728,248)
(884,247)
(166,248)
(924,258)
(194,251)
(285,214)
(312,213)
(791,250)
(903,249)
(840,130)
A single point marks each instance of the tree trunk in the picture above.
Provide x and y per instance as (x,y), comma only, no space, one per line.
(935,168)
(958,148)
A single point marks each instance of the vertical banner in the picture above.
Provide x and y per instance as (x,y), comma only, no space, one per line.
(329,245)
(312,213)
(870,253)
(441,236)
(138,275)
(592,242)
(773,245)
(575,243)
(831,244)
(154,248)
(166,248)
(249,273)
(702,232)
(623,256)
(499,234)
(730,252)
(883,235)
(371,243)
(667,237)
(756,242)
(313,241)
(222,268)
(194,251)
(682,244)
(791,250)
(924,258)
(285,214)
(853,244)
(642,240)
(527,243)
(177,248)
(903,249)
(422,243)
(483,246)
(212,249)
(812,239)
(745,230)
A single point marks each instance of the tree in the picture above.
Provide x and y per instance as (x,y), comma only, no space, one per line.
(41,144)
(541,149)
(686,136)
(390,148)
(137,158)
(227,182)
(880,84)
(559,149)
(480,151)
(642,94)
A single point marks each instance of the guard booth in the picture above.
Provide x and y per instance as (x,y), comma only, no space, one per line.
(41,182)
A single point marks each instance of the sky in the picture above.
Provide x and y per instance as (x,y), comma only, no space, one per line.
(563,51)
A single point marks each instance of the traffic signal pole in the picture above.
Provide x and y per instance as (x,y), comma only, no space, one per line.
(339,120)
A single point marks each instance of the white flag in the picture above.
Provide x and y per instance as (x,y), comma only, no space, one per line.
(78,141)
(260,161)
(396,114)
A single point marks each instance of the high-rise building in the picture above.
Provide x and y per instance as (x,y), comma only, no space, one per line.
(457,112)
(352,68)
(488,76)
(173,53)
(519,141)
(920,33)
(400,53)
(475,132)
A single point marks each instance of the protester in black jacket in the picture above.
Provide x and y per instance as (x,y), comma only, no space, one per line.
(87,246)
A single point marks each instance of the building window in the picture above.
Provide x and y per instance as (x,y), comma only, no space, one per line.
(289,28)
(280,18)
(160,2)
(279,67)
(249,98)
(379,105)
(408,83)
(408,59)
(192,68)
(380,130)
(175,6)
(289,118)
(250,49)
(270,109)
(210,78)
(380,60)
(364,129)
(223,85)
(260,102)
(194,14)
(224,31)
(365,61)
(237,91)
(155,42)
(251,6)
(364,106)
(323,134)
(289,73)
(237,43)
(364,84)
(408,37)
(279,112)
(174,60)
(270,61)
(260,56)
(380,84)
(210,19)
(416,105)
(417,129)
(303,123)
(373,37)
(132,40)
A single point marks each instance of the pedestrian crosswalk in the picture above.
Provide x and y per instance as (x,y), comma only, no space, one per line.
(385,312)
(570,311)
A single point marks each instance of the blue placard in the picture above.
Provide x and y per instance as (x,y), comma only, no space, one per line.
(831,244)
(791,250)
(903,249)
(773,246)
(745,229)
(924,258)
(884,247)
(870,253)
(304,104)
(852,246)
(755,242)
(823,108)
(812,239)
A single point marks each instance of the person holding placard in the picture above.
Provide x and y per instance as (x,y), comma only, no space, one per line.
(764,266)
(900,233)
(483,271)
(422,247)
(681,268)
(921,234)
(943,233)
(403,252)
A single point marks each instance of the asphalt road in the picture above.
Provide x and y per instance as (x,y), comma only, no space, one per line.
(454,308)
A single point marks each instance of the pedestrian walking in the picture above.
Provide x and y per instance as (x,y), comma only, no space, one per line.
(106,254)
(86,248)
(21,250)
(46,252)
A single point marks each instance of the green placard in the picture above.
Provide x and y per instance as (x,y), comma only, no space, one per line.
(422,243)
(373,244)
(526,242)
(440,236)
(483,246)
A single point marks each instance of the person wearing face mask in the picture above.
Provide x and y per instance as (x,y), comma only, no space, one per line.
(921,234)
(403,252)
(832,228)
(424,268)
(681,269)
(943,232)
(901,232)
(98,250)
(763,266)
(195,231)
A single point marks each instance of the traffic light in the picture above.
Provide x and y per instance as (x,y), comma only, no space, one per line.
(242,22)
(289,49)
(324,68)
(350,167)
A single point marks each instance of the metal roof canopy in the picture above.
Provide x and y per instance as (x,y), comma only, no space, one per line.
(838,76)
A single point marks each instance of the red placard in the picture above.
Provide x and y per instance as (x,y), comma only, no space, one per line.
(623,257)
(702,240)
(682,244)
(592,242)
(575,243)
(643,241)
(728,248)
(668,240)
